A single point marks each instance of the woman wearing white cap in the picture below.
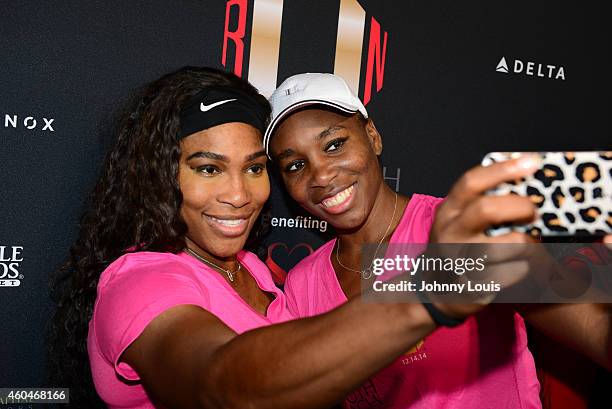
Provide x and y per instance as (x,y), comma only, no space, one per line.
(326,150)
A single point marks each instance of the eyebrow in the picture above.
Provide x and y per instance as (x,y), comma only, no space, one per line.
(288,152)
(285,154)
(255,155)
(329,131)
(209,155)
(217,156)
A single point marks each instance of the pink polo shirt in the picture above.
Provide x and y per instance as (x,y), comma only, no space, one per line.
(137,287)
(483,363)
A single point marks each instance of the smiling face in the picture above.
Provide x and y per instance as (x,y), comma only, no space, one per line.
(329,164)
(224,182)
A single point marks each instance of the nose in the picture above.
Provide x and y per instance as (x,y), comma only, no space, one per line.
(235,192)
(323,172)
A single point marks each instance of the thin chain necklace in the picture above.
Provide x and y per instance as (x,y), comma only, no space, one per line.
(228,273)
(367,273)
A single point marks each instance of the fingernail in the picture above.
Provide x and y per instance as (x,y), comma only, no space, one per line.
(530,162)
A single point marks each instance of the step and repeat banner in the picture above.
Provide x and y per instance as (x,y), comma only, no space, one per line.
(445,82)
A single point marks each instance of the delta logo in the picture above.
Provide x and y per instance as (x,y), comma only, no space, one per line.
(532,69)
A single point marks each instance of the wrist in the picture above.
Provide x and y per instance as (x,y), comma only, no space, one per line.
(437,313)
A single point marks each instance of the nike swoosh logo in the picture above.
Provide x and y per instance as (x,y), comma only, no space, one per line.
(205,108)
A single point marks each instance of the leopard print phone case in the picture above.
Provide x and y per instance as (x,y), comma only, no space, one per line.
(572,190)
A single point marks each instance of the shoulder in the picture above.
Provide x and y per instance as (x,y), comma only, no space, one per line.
(311,265)
(421,200)
(306,278)
(320,255)
(134,290)
(417,219)
(145,265)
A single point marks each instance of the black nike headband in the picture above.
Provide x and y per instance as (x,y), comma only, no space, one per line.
(217,106)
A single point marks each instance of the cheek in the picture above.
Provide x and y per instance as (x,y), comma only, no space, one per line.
(261,190)
(194,194)
(365,163)
(296,188)
(365,159)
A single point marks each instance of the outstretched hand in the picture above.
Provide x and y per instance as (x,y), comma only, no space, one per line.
(466,214)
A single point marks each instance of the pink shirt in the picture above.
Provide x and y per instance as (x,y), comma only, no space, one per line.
(138,287)
(483,363)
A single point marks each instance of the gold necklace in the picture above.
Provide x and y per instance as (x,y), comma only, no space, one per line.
(228,273)
(367,273)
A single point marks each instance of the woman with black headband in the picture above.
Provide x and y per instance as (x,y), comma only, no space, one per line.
(161,298)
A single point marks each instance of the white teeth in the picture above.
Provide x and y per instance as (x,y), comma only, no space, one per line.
(228,222)
(339,197)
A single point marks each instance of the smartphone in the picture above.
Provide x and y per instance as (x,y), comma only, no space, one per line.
(572,190)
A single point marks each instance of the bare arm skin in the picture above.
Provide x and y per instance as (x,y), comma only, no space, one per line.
(187,358)
(586,328)
(583,327)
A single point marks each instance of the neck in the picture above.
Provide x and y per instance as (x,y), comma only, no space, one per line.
(228,263)
(379,219)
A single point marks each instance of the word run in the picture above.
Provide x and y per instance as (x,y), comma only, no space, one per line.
(265,38)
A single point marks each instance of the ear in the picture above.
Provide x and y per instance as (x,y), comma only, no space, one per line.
(374,137)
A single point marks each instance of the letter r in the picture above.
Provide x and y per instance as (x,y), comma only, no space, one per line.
(236,36)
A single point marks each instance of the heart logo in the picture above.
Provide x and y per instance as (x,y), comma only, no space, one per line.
(281,259)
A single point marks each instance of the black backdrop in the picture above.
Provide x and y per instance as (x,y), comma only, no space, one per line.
(443,105)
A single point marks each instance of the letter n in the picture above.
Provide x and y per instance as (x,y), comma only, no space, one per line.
(375,51)
(236,36)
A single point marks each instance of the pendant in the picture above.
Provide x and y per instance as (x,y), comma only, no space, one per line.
(367,273)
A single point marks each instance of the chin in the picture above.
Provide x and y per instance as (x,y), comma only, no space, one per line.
(224,247)
(234,246)
(347,221)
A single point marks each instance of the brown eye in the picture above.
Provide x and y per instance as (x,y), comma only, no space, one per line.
(294,166)
(256,169)
(335,145)
(208,170)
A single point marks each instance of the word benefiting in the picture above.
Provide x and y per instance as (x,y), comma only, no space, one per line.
(300,222)
(405,263)
(436,287)
(10,257)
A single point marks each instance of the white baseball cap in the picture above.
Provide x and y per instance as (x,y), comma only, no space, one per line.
(306,89)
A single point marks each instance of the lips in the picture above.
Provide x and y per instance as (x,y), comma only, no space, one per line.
(229,226)
(339,202)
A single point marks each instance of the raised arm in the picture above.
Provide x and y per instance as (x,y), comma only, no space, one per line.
(187,358)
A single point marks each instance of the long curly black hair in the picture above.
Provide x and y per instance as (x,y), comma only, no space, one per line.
(134,205)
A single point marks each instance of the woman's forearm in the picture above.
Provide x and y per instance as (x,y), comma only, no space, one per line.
(313,362)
